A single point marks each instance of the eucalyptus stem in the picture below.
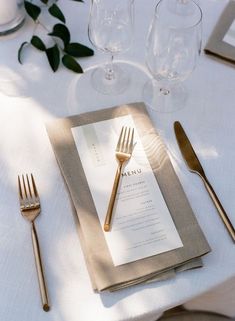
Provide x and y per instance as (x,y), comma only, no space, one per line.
(56,53)
(53,38)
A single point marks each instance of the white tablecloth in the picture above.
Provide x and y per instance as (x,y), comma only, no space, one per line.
(32,94)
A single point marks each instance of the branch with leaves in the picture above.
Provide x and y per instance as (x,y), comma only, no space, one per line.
(56,53)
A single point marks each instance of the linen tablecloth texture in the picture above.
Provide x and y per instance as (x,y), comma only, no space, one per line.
(104,275)
(216,46)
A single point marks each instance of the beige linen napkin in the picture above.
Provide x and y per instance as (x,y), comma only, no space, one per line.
(104,275)
(216,45)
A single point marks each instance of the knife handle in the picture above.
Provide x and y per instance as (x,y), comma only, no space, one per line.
(220,208)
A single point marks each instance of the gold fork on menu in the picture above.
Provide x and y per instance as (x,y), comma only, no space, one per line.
(30,208)
(123,154)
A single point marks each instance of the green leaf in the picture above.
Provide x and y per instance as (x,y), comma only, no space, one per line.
(78,50)
(32,10)
(53,56)
(38,43)
(62,32)
(56,12)
(44,1)
(20,51)
(70,63)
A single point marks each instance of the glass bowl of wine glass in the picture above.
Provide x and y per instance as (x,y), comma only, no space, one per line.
(172,50)
(110,30)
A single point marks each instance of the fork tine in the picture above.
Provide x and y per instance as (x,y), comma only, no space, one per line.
(24,185)
(19,188)
(122,147)
(119,139)
(29,187)
(125,140)
(127,143)
(131,142)
(34,186)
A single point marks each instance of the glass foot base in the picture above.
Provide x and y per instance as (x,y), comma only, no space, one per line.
(164,100)
(114,85)
(14,24)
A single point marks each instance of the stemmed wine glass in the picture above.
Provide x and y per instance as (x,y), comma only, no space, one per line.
(172,50)
(111,30)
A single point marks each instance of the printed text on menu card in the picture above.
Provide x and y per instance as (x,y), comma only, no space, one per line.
(142,225)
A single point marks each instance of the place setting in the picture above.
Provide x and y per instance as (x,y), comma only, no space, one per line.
(135,222)
(154,232)
(146,230)
(116,256)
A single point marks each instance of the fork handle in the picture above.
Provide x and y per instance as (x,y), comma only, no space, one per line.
(108,218)
(41,279)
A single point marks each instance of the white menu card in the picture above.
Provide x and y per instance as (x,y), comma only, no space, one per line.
(142,225)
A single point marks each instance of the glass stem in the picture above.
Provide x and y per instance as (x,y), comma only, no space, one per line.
(109,70)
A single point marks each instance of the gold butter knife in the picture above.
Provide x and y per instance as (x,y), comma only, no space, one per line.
(194,166)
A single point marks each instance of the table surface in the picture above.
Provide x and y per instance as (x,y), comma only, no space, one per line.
(30,95)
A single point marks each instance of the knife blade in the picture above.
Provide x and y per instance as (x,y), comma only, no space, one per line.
(195,166)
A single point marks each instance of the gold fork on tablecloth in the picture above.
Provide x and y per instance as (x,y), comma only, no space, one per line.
(30,208)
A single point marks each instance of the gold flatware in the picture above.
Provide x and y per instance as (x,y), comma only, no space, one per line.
(123,154)
(30,208)
(194,165)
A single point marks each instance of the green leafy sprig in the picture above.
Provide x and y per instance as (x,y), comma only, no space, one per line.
(57,53)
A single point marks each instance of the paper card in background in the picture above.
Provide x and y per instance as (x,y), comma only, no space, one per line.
(230,35)
(142,225)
